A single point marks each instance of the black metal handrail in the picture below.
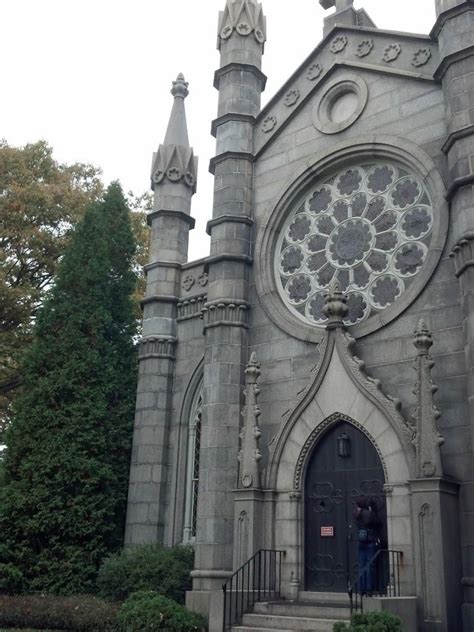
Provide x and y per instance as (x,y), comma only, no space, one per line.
(257,580)
(384,572)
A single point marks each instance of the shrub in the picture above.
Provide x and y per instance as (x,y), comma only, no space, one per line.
(371,622)
(81,614)
(146,610)
(147,567)
(11,579)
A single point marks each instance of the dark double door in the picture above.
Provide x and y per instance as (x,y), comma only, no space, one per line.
(344,466)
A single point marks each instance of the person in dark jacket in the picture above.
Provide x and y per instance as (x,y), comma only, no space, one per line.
(367,522)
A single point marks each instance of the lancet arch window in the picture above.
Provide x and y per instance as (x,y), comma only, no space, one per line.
(192,467)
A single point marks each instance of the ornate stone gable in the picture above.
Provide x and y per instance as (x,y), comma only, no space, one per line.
(413,57)
(339,388)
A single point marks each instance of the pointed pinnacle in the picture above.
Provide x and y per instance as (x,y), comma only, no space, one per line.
(177,131)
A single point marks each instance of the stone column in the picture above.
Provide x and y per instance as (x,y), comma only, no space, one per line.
(173,182)
(435,511)
(453,29)
(240,81)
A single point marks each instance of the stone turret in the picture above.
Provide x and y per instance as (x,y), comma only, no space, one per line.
(453,30)
(240,81)
(173,181)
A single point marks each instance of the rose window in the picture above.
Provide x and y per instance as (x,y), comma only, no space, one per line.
(368,227)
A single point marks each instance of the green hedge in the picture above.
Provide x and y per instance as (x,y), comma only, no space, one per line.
(82,614)
(147,567)
(371,622)
(146,610)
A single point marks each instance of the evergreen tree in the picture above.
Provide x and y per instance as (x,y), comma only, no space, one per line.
(68,448)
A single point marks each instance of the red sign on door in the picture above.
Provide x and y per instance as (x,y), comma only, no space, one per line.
(327,532)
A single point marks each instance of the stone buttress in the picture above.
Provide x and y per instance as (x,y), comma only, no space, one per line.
(454,30)
(173,180)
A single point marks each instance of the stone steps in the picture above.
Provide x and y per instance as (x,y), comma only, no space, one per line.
(315,612)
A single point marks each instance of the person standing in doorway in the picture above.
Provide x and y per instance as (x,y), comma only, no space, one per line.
(366,518)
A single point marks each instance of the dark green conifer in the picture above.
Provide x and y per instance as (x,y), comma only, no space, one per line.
(68,449)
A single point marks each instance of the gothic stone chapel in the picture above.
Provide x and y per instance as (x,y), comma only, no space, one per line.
(324,350)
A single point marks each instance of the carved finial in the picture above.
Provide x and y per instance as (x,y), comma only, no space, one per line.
(180,87)
(427,438)
(250,454)
(422,338)
(335,306)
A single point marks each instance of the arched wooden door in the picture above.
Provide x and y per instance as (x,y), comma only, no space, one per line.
(343,466)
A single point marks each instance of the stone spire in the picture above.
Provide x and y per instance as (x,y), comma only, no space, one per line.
(427,437)
(250,454)
(244,18)
(335,306)
(174,161)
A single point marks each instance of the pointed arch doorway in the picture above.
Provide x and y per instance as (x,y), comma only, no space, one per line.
(343,466)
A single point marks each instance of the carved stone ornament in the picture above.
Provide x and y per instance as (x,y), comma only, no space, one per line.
(203,279)
(175,163)
(421,57)
(250,455)
(335,306)
(338,44)
(268,124)
(314,71)
(427,439)
(244,17)
(391,52)
(364,48)
(291,97)
(188,282)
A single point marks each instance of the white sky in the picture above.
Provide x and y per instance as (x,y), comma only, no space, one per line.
(92,77)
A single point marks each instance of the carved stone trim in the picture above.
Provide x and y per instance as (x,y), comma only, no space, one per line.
(220,72)
(157,347)
(314,438)
(231,117)
(226,313)
(231,219)
(228,257)
(455,136)
(158,298)
(459,183)
(161,264)
(163,212)
(452,59)
(191,307)
(463,254)
(229,155)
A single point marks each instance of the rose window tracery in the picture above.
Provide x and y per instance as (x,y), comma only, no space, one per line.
(368,227)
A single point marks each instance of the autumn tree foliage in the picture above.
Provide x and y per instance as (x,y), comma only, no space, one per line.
(62,507)
(41,202)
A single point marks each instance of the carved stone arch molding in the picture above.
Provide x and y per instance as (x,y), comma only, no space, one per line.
(313,440)
(298,318)
(340,388)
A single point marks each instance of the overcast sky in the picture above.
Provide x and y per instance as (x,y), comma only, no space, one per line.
(92,77)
